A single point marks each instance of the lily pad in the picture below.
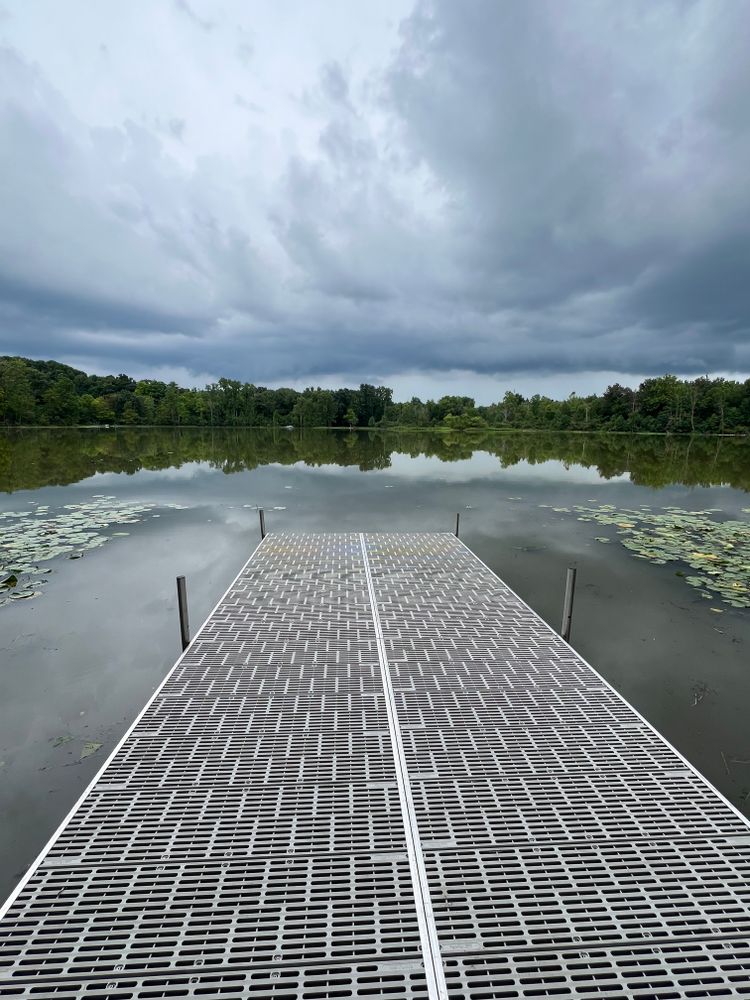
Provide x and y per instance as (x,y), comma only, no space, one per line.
(38,534)
(718,549)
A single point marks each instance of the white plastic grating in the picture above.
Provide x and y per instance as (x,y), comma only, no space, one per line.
(207,914)
(376,773)
(226,757)
(568,894)
(124,824)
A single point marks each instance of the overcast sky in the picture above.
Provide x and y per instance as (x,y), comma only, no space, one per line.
(444,196)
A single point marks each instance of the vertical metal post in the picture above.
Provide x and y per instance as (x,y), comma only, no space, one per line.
(182,606)
(262,522)
(458,517)
(570,586)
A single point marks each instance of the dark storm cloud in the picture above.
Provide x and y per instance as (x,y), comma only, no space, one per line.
(526,187)
(591,212)
(576,170)
(65,309)
(708,283)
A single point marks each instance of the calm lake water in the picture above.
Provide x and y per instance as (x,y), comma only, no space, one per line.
(78,661)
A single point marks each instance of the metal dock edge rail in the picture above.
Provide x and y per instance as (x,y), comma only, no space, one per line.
(375,772)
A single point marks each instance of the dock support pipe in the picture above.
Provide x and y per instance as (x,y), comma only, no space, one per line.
(567,617)
(182,607)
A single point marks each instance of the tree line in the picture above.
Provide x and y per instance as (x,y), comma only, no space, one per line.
(48,393)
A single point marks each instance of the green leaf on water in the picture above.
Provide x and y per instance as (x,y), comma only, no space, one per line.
(719,550)
(31,537)
(90,747)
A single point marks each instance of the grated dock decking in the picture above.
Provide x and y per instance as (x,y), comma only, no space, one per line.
(377,773)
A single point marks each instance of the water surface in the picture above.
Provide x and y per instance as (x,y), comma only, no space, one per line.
(78,661)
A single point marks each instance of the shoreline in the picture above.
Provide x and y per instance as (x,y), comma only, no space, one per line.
(393,428)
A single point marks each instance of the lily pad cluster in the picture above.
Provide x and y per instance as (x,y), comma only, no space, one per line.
(718,551)
(29,538)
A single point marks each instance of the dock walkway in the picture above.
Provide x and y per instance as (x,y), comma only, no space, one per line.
(375,772)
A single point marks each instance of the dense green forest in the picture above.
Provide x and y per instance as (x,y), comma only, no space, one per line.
(49,393)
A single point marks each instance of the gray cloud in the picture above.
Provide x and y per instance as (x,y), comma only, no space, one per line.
(334,83)
(245,51)
(176,127)
(519,188)
(574,168)
(184,8)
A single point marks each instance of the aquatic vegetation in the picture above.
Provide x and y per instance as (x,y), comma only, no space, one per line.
(36,535)
(90,747)
(717,550)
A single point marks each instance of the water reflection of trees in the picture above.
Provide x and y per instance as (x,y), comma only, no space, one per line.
(30,459)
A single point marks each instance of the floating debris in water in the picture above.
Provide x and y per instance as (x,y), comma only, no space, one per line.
(34,536)
(718,551)
(90,747)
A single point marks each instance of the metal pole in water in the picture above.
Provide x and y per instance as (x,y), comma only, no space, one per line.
(458,517)
(570,586)
(182,606)
(262,523)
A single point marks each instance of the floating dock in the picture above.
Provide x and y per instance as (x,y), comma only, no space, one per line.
(375,772)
